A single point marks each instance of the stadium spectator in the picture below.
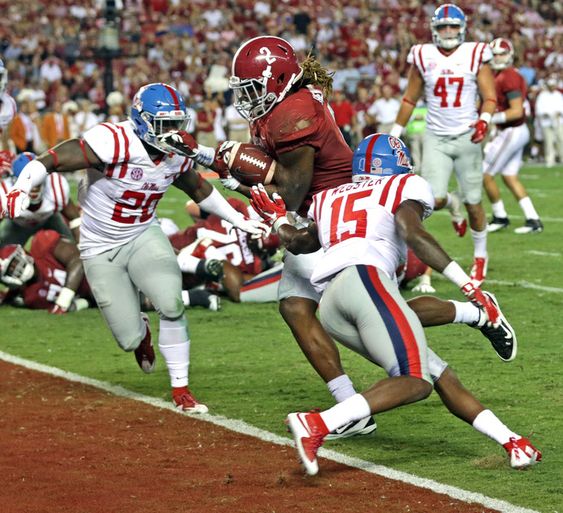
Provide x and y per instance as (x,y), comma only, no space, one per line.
(25,130)
(237,127)
(549,113)
(344,115)
(55,126)
(384,110)
(8,109)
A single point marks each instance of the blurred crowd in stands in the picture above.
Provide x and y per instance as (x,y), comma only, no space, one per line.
(53,54)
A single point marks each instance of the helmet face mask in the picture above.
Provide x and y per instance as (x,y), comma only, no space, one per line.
(264,70)
(448,15)
(503,54)
(16,266)
(380,155)
(156,110)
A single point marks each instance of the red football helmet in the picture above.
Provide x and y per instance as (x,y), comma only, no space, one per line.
(264,69)
(16,266)
(503,53)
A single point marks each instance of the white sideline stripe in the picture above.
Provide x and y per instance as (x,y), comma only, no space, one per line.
(543,253)
(242,427)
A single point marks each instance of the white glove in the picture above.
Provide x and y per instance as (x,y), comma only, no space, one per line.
(17,201)
(396,130)
(230,183)
(255,228)
(424,286)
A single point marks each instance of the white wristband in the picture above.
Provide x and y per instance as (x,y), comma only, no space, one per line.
(75,223)
(456,274)
(396,130)
(204,155)
(280,221)
(216,204)
(499,117)
(65,297)
(32,175)
(486,117)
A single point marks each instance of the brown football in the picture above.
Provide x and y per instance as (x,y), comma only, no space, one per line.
(250,164)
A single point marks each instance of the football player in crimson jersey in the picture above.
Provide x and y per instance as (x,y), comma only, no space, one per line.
(364,228)
(49,277)
(503,154)
(239,265)
(286,105)
(122,246)
(451,73)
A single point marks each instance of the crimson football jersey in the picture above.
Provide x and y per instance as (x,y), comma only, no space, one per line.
(50,274)
(304,119)
(509,84)
(220,240)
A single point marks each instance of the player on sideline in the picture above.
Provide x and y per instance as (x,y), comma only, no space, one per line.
(364,228)
(121,243)
(450,73)
(503,154)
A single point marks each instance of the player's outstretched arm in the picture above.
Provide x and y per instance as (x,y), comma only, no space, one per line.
(67,254)
(487,90)
(415,88)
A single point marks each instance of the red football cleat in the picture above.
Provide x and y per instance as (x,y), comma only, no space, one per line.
(522,453)
(144,354)
(460,227)
(186,402)
(309,432)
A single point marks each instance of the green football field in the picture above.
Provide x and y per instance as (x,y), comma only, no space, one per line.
(246,365)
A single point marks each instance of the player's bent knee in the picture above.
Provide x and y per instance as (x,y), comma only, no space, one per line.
(170,310)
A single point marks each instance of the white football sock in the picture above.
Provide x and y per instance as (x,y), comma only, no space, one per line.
(489,424)
(480,243)
(353,408)
(174,346)
(528,208)
(341,388)
(466,312)
(499,210)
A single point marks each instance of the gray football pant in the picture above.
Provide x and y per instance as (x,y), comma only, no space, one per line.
(147,264)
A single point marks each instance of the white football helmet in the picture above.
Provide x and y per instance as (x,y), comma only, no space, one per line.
(16,266)
(503,53)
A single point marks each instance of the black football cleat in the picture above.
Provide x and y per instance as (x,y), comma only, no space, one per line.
(497,223)
(531,226)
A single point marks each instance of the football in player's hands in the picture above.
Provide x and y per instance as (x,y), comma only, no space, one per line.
(249,163)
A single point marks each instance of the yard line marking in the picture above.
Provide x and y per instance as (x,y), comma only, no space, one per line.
(242,427)
(543,253)
(526,285)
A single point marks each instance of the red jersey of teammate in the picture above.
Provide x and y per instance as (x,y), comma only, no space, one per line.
(50,274)
(509,84)
(231,243)
(304,119)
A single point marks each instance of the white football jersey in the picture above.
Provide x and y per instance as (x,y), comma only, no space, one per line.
(8,110)
(120,203)
(56,195)
(450,84)
(356,223)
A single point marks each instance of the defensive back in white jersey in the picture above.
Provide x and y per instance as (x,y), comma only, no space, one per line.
(356,223)
(450,84)
(55,197)
(120,203)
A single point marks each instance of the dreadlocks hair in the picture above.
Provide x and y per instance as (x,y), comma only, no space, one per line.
(315,74)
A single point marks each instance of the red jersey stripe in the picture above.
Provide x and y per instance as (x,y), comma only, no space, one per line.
(385,192)
(64,199)
(473,56)
(111,167)
(480,58)
(54,189)
(123,171)
(409,340)
(421,60)
(399,192)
